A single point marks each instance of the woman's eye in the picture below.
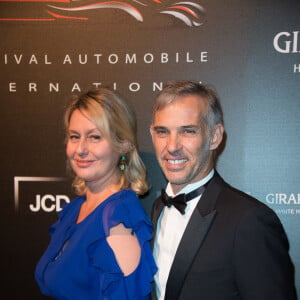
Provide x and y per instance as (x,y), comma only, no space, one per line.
(73,137)
(94,138)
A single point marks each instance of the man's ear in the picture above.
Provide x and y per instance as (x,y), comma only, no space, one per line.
(217,136)
(151,131)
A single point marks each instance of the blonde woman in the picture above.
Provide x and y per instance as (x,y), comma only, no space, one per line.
(100,246)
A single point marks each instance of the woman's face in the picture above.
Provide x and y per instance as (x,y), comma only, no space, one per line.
(90,154)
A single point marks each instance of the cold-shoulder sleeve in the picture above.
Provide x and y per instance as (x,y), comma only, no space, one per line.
(124,208)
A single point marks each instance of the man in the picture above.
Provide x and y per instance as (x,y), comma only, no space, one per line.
(224,245)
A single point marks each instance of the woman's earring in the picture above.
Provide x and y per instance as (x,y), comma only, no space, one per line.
(122,164)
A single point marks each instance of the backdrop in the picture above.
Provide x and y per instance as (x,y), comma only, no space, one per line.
(248,50)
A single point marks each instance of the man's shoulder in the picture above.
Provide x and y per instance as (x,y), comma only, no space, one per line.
(237,196)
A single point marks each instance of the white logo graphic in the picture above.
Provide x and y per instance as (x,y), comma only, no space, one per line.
(286,42)
(40,200)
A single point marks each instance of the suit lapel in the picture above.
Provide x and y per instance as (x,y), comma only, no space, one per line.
(187,250)
(193,237)
(156,211)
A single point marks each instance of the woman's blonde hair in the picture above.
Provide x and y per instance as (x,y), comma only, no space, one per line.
(117,122)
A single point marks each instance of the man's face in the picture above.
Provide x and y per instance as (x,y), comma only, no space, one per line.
(181,142)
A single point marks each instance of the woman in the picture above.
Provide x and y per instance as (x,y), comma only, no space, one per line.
(100,246)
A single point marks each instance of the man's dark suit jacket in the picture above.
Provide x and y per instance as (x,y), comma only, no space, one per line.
(234,248)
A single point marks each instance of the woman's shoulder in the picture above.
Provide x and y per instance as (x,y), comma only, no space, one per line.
(125,207)
(128,201)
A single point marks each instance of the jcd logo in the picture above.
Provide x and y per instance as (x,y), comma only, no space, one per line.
(31,198)
(190,13)
(49,203)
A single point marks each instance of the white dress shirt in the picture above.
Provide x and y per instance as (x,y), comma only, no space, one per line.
(170,227)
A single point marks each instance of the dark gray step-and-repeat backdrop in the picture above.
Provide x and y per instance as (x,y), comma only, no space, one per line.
(248,50)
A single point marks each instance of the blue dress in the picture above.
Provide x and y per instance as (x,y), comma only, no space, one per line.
(80,265)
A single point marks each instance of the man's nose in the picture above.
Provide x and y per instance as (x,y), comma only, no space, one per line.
(174,142)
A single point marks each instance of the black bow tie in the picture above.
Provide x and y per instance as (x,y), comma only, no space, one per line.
(180,200)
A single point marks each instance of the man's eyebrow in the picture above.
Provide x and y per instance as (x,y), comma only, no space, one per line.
(183,127)
(190,126)
(159,127)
